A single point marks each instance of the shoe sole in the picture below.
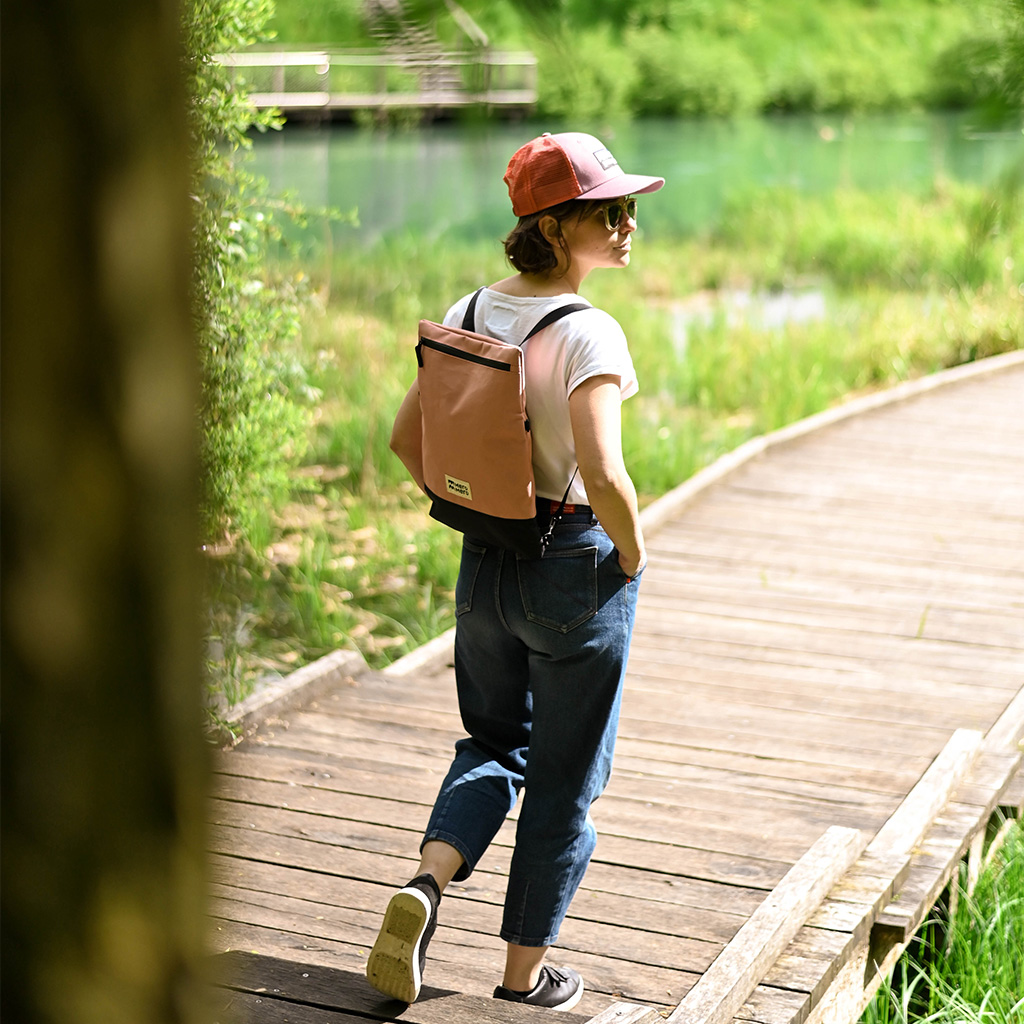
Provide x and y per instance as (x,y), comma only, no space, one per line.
(571,1001)
(393,967)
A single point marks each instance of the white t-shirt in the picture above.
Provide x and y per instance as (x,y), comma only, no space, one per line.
(558,359)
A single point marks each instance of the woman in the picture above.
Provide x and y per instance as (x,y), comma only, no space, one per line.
(541,644)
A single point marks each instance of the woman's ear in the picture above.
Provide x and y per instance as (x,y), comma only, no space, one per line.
(548,227)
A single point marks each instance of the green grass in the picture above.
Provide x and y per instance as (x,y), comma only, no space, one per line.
(354,560)
(967,969)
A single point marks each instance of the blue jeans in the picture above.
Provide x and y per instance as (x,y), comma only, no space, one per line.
(540,655)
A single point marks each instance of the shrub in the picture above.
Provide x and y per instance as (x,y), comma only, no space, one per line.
(583,76)
(253,421)
(687,75)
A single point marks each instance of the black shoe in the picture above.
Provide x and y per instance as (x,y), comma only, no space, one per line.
(395,965)
(558,989)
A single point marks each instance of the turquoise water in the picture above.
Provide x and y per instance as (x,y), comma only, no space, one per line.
(447,179)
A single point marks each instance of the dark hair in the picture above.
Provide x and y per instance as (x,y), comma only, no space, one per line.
(526,247)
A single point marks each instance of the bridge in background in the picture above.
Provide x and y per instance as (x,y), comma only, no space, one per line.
(345,83)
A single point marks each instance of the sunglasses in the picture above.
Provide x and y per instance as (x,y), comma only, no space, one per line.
(613,212)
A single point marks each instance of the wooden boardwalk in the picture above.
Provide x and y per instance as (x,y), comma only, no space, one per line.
(826,682)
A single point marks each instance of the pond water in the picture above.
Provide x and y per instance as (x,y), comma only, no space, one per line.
(446,179)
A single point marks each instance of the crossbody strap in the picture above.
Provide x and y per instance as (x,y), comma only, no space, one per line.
(557,517)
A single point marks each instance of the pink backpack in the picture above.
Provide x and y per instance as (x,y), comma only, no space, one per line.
(477,445)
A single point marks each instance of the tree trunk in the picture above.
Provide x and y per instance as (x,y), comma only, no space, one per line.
(104,764)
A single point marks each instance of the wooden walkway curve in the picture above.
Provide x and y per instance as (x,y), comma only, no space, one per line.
(823,709)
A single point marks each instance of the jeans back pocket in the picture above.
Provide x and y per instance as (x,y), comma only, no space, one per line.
(559,591)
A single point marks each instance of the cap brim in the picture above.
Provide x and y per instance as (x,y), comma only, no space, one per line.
(624,185)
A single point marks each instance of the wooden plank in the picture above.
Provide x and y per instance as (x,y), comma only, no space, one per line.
(781,441)
(644,756)
(867,887)
(810,961)
(324,895)
(903,830)
(944,844)
(727,984)
(956,667)
(298,985)
(932,867)
(742,680)
(720,908)
(660,804)
(786,591)
(805,600)
(995,670)
(462,921)
(392,863)
(466,970)
(833,640)
(773,1006)
(770,498)
(989,778)
(822,571)
(853,564)
(684,848)
(1008,732)
(1012,800)
(669,797)
(248,1008)
(626,1013)
(642,707)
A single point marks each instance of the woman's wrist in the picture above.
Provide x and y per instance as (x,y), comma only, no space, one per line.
(631,566)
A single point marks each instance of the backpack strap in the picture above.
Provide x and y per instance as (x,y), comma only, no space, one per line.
(555,315)
(469,317)
(469,320)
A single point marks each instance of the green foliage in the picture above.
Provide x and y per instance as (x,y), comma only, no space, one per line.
(253,415)
(690,74)
(584,76)
(321,22)
(987,67)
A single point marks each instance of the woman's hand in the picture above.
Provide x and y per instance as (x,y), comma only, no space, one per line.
(631,567)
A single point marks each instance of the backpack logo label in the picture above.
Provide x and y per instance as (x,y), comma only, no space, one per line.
(459,488)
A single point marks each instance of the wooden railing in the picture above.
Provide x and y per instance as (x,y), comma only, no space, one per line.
(351,80)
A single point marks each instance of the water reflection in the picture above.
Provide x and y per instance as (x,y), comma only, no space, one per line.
(760,310)
(443,180)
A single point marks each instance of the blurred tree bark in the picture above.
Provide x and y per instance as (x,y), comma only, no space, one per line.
(103,757)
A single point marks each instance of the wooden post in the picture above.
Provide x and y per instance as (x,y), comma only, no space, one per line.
(104,763)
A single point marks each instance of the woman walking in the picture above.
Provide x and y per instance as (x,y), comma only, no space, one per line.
(541,643)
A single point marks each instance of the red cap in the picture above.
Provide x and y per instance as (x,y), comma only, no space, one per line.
(552,169)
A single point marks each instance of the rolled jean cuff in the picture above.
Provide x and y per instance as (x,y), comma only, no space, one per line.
(468,860)
(518,940)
